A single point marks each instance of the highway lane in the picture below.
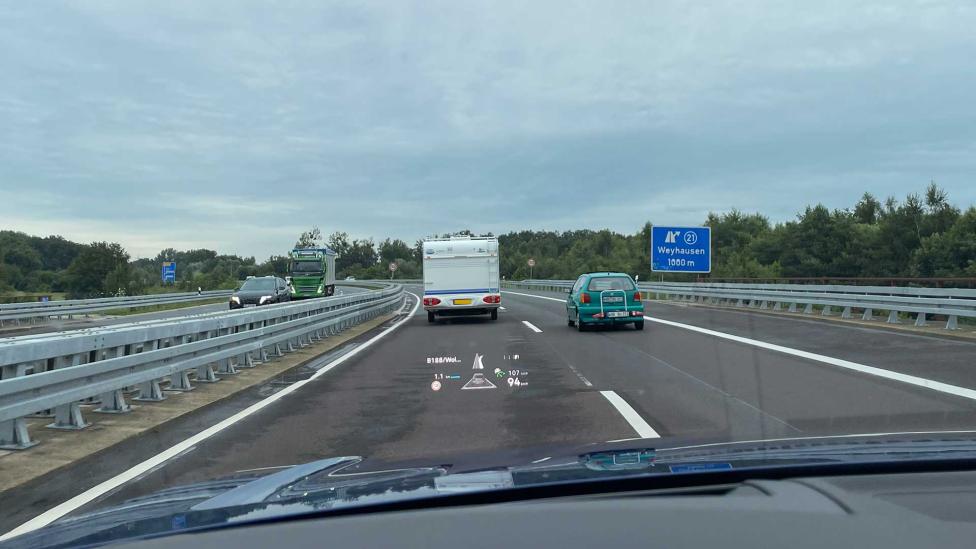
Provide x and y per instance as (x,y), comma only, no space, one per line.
(688,384)
(683,385)
(943,359)
(78,323)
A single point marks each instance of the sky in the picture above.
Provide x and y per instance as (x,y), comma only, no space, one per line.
(236,125)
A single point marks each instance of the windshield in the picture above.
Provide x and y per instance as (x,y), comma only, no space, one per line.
(541,226)
(258,284)
(601,283)
(306,267)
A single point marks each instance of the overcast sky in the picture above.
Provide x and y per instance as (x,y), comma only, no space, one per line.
(211,124)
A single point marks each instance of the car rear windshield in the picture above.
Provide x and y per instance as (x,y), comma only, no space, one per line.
(602,283)
(258,284)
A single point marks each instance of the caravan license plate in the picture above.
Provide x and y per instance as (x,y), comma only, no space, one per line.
(462,302)
(617,314)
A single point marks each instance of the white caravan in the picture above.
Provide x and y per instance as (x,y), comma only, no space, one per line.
(461,276)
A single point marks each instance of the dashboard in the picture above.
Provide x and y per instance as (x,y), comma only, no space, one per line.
(890,511)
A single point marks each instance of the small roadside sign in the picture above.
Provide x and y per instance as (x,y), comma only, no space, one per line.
(531,263)
(681,249)
(169,271)
(393,267)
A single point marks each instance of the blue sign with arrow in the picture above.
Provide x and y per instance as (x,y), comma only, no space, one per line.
(681,249)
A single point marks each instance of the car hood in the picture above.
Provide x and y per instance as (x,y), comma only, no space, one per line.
(348,481)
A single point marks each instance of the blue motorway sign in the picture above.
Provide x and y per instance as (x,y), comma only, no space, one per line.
(169,271)
(681,249)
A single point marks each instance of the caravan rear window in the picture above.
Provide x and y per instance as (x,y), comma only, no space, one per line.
(602,283)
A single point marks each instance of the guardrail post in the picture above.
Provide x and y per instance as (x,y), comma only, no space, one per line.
(14,435)
(113,402)
(920,320)
(150,391)
(205,374)
(827,311)
(846,313)
(808,309)
(244,360)
(12,370)
(68,417)
(952,323)
(225,366)
(868,314)
(893,317)
(180,381)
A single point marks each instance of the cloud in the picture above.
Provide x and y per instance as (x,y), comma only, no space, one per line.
(237,127)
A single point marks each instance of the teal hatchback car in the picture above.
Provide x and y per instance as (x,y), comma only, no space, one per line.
(604,299)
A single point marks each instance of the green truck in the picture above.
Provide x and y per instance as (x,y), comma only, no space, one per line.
(311,272)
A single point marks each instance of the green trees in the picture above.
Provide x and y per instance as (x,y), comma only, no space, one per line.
(100,269)
(310,239)
(922,236)
(33,264)
(950,253)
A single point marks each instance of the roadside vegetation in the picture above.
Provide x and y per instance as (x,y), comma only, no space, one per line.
(923,235)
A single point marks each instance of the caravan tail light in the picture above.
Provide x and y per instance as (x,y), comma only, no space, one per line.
(492,299)
(431,301)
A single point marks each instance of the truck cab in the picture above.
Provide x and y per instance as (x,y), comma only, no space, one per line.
(311,272)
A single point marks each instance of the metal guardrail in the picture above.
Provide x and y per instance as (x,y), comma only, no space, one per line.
(54,374)
(922,302)
(386,281)
(31,312)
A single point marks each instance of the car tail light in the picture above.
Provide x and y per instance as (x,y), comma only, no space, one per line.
(431,301)
(584,297)
(492,299)
(636,313)
(637,296)
(598,315)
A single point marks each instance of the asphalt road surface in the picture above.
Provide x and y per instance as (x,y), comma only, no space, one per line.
(77,323)
(537,387)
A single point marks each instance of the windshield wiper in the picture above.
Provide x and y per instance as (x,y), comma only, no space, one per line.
(261,489)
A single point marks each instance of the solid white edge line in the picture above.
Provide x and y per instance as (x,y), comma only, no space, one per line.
(954,390)
(104,487)
(946,388)
(532,326)
(633,418)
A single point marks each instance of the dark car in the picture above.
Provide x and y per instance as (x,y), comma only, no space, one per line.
(261,290)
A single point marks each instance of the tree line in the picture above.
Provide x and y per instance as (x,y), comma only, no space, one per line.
(923,235)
